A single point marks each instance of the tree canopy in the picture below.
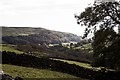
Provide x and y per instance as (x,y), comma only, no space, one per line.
(102,18)
(99,16)
(106,48)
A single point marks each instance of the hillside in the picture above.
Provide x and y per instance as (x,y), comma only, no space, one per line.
(26,35)
(26,72)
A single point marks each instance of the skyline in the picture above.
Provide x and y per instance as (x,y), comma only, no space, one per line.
(50,14)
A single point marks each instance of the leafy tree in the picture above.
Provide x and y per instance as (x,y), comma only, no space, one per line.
(106,48)
(101,19)
(100,16)
(71,45)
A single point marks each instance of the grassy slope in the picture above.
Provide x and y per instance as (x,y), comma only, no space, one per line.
(86,65)
(26,72)
(81,64)
(9,47)
(85,46)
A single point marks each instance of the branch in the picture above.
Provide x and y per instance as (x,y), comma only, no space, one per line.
(114,19)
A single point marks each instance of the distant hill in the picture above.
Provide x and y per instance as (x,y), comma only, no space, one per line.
(27,35)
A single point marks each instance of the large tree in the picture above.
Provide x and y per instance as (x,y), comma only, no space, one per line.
(102,15)
(106,48)
(102,18)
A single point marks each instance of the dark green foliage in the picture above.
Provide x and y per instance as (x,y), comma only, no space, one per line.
(30,48)
(73,54)
(102,18)
(103,39)
(57,51)
(106,48)
(103,15)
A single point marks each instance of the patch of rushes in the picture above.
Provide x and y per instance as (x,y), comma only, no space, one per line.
(26,72)
(9,47)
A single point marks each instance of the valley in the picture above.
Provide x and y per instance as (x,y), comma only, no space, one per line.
(42,44)
(28,55)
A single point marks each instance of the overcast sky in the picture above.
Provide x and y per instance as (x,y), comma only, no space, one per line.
(50,14)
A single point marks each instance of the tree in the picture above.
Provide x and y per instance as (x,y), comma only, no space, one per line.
(100,16)
(106,48)
(101,19)
(71,45)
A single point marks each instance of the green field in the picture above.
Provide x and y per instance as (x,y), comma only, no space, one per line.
(85,46)
(86,65)
(81,64)
(26,72)
(9,47)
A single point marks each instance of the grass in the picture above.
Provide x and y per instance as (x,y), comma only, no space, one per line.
(9,47)
(86,65)
(26,72)
(81,64)
(85,46)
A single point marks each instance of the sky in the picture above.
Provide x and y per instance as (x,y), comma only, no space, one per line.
(50,14)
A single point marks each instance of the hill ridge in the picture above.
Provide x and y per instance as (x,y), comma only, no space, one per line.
(39,34)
